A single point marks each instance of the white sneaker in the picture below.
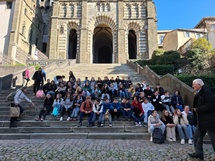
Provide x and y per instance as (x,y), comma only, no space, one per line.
(174,139)
(68,118)
(136,124)
(190,141)
(151,138)
(61,118)
(110,125)
(182,141)
(140,124)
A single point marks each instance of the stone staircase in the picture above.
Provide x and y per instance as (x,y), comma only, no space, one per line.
(99,70)
(52,128)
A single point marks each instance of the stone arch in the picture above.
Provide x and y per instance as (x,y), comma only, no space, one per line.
(72,25)
(96,21)
(102,19)
(136,28)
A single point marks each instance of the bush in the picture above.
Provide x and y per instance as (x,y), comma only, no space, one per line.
(162,69)
(188,79)
(142,63)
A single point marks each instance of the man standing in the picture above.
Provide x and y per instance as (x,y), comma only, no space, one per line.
(38,80)
(204,110)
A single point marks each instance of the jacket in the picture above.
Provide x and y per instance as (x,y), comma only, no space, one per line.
(86,106)
(98,108)
(180,120)
(38,76)
(152,121)
(48,103)
(106,106)
(20,96)
(115,106)
(176,100)
(204,102)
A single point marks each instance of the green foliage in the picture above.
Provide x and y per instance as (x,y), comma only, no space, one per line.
(37,66)
(19,65)
(162,69)
(203,44)
(142,63)
(167,57)
(188,79)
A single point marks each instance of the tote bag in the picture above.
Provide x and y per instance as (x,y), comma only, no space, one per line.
(14,111)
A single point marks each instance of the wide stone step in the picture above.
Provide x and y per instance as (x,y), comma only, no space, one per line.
(75,129)
(129,136)
(31,123)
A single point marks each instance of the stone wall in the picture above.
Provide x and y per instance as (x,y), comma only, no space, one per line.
(168,82)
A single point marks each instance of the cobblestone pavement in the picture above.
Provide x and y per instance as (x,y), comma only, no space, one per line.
(96,150)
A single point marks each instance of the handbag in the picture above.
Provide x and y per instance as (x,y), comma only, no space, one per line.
(14,111)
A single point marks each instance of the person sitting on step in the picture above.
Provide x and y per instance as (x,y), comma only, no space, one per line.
(138,113)
(126,109)
(47,107)
(155,122)
(97,112)
(170,126)
(106,112)
(147,108)
(67,106)
(115,109)
(86,109)
(183,127)
(77,105)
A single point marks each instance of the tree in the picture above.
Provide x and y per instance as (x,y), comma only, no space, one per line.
(203,44)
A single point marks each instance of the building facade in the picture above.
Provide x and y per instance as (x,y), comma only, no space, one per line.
(95,31)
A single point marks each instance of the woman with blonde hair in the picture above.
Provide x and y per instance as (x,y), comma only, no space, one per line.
(170,126)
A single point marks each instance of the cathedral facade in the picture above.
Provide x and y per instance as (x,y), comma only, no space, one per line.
(102,31)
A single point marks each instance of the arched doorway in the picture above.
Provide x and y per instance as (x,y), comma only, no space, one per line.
(102,44)
(132,44)
(72,44)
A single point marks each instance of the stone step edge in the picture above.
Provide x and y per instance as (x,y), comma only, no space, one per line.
(114,136)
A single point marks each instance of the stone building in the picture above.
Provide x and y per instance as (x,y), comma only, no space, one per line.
(98,31)
(22,23)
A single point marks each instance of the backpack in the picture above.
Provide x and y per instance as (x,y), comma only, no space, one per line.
(40,94)
(157,136)
(55,112)
(11,96)
(23,73)
(191,119)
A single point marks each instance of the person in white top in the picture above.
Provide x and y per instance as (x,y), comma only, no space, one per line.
(97,112)
(147,108)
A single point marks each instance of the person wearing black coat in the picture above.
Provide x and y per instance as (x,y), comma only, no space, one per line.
(38,80)
(204,112)
(47,107)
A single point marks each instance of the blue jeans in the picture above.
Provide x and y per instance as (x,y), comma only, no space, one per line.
(168,108)
(146,115)
(75,112)
(137,119)
(184,131)
(109,118)
(90,117)
(152,127)
(126,114)
(99,116)
(121,94)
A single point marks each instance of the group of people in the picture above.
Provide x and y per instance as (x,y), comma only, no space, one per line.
(107,99)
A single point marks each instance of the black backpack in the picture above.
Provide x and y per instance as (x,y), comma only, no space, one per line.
(157,136)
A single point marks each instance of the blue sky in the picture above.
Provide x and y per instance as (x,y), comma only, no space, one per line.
(172,14)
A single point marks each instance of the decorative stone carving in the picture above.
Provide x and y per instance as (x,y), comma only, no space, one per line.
(103,7)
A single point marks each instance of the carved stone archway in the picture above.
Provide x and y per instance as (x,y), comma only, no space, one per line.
(93,23)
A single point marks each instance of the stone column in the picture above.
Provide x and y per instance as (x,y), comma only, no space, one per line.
(84,54)
(121,54)
(152,28)
(53,45)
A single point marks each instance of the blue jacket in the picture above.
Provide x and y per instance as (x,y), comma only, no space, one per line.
(126,105)
(115,106)
(106,106)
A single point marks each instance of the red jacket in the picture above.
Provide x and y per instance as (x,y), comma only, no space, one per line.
(137,104)
(86,106)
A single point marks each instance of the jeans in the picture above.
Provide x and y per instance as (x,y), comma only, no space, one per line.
(152,127)
(146,115)
(109,118)
(75,112)
(137,119)
(99,116)
(115,113)
(198,140)
(63,109)
(184,131)
(168,108)
(126,114)
(121,94)
(90,117)
(105,95)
